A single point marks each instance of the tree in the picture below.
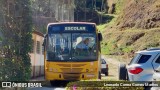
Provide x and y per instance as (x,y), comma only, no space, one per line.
(17,32)
(85,10)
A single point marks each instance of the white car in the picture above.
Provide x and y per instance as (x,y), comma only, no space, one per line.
(104,67)
(141,67)
(156,77)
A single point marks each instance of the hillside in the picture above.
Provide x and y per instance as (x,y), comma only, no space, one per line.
(136,27)
(140,14)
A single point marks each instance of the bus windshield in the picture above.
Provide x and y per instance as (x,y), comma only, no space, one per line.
(72,47)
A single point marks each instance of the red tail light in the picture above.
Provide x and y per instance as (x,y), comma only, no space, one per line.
(135,70)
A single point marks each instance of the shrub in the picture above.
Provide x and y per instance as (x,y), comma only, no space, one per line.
(101,85)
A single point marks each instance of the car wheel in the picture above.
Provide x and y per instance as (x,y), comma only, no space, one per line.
(127,78)
(148,88)
(122,72)
(106,73)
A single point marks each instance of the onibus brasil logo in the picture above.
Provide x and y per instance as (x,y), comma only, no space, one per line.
(15,84)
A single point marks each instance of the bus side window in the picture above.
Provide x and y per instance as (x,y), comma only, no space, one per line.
(44,42)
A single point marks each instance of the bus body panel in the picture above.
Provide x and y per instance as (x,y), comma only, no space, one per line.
(81,70)
(71,70)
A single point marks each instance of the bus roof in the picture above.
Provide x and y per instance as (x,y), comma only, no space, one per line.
(71,27)
(71,23)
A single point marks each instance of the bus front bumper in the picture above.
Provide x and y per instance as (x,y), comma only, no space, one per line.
(70,76)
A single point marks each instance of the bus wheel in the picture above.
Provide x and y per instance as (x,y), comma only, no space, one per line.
(99,75)
(122,72)
(53,83)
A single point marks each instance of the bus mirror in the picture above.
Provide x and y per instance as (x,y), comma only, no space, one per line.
(45,36)
(100,37)
(44,41)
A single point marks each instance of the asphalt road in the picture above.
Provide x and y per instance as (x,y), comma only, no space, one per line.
(46,85)
(46,88)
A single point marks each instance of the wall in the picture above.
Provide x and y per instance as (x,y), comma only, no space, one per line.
(37,59)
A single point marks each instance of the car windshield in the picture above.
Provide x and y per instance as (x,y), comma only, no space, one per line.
(71,46)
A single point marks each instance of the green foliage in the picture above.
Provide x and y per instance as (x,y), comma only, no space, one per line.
(101,27)
(100,85)
(90,4)
(106,18)
(1,39)
(119,40)
(11,70)
(127,49)
(108,48)
(17,32)
(119,6)
(107,23)
(91,11)
(92,16)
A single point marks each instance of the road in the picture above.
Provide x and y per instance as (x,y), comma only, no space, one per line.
(113,64)
(46,88)
(45,85)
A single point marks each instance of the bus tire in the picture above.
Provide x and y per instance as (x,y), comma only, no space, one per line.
(122,72)
(99,75)
(148,88)
(53,83)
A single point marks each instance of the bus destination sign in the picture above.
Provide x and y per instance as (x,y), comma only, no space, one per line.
(75,28)
(71,28)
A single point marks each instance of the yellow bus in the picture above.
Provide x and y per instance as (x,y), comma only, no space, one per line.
(72,51)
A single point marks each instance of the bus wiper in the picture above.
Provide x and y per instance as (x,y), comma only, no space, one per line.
(75,58)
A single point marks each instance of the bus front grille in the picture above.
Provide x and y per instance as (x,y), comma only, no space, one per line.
(71,65)
(78,65)
(71,76)
(71,70)
(64,65)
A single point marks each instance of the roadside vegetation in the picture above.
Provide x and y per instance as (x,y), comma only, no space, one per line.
(121,42)
(16,40)
(100,85)
(131,29)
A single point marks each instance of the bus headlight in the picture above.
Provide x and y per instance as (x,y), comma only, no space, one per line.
(52,70)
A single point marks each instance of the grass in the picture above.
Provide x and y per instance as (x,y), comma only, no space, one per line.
(101,27)
(118,42)
(119,6)
(129,40)
(99,85)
